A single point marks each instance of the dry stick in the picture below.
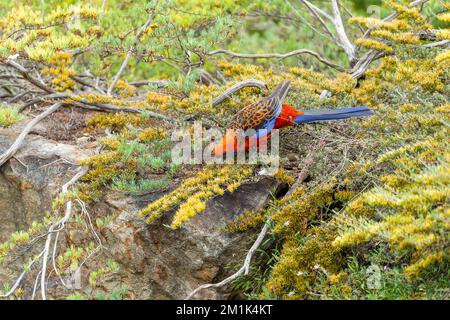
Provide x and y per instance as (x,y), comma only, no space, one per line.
(436,44)
(351,16)
(157,83)
(151,16)
(19,279)
(361,66)
(280,56)
(51,96)
(110,107)
(341,37)
(19,140)
(59,226)
(35,286)
(25,74)
(96,106)
(87,84)
(245,269)
(238,86)
(82,103)
(319,11)
(347,45)
(318,17)
(18,96)
(55,247)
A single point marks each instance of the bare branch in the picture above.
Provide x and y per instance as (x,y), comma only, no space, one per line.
(436,44)
(87,84)
(104,107)
(19,279)
(361,66)
(18,96)
(59,225)
(112,108)
(317,10)
(151,16)
(17,144)
(48,97)
(238,86)
(279,56)
(25,74)
(157,83)
(244,270)
(326,32)
(345,42)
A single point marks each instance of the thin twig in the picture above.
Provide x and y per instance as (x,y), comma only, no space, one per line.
(25,74)
(279,56)
(327,33)
(19,279)
(48,97)
(436,44)
(151,16)
(110,107)
(244,270)
(59,225)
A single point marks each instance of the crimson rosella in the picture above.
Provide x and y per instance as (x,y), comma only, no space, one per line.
(270,113)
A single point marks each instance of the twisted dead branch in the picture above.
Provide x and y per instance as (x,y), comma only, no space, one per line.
(279,56)
(72,99)
(57,227)
(341,38)
(237,87)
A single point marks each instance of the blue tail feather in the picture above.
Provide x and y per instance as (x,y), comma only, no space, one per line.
(333,114)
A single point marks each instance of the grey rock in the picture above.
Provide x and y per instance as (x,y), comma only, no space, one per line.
(155,261)
(32,178)
(162,263)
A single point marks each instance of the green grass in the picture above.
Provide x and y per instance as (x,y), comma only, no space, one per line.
(142,186)
(379,276)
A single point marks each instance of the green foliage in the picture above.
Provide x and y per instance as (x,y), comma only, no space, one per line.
(76,296)
(118,293)
(110,268)
(138,187)
(9,115)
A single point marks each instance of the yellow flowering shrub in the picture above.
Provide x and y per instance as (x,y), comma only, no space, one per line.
(61,72)
(192,194)
(394,199)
